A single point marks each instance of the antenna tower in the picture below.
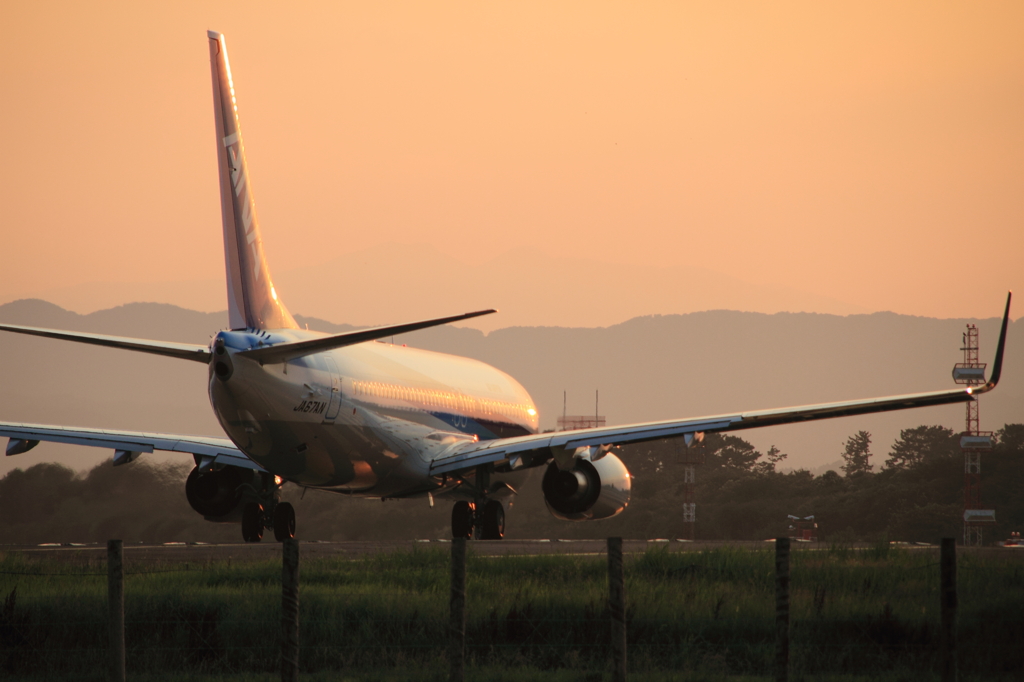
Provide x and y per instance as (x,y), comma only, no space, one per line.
(973,442)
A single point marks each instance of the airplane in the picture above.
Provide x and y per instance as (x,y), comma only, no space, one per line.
(349,414)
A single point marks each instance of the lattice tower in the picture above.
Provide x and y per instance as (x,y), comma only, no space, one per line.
(974,441)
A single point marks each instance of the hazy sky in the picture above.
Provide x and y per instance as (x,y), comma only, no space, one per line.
(870,153)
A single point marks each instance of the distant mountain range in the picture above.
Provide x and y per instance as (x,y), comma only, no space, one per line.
(385,283)
(648,368)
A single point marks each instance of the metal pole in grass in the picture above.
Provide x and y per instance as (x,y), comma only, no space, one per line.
(617,608)
(457,607)
(781,609)
(947,589)
(115,608)
(290,611)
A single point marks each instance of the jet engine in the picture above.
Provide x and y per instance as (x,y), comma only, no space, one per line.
(590,490)
(217,495)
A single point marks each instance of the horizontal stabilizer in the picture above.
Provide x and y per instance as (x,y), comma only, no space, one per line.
(283,352)
(185,351)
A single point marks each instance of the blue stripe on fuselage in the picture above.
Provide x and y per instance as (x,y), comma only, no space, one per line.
(465,424)
(482,430)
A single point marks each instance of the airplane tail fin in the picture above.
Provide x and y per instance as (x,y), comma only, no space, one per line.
(252,300)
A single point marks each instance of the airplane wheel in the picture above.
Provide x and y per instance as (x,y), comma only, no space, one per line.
(493,521)
(284,522)
(252,522)
(462,520)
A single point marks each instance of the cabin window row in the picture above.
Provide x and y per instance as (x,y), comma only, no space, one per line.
(439,399)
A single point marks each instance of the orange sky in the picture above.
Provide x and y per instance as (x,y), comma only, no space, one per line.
(867,153)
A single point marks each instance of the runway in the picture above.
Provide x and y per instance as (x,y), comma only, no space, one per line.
(176,553)
(148,554)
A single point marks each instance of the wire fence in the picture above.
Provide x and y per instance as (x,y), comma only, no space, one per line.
(699,613)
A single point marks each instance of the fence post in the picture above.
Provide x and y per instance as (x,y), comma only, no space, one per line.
(457,606)
(781,609)
(115,608)
(617,608)
(947,590)
(290,611)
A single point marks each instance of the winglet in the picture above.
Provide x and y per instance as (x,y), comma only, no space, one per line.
(997,365)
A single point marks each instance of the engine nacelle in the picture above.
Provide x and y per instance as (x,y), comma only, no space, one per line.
(217,495)
(588,491)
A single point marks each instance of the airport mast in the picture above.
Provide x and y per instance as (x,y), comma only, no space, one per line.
(973,442)
(570,422)
(691,454)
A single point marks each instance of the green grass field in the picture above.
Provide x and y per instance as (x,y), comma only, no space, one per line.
(856,614)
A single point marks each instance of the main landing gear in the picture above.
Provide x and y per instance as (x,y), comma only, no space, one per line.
(483,518)
(487,520)
(492,523)
(267,512)
(255,518)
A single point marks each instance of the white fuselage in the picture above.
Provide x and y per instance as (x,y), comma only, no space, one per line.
(365,419)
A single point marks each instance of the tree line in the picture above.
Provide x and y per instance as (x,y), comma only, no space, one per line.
(915,494)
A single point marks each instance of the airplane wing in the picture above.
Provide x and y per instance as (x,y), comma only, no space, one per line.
(127,445)
(537,449)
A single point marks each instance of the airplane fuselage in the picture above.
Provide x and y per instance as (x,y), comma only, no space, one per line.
(365,419)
